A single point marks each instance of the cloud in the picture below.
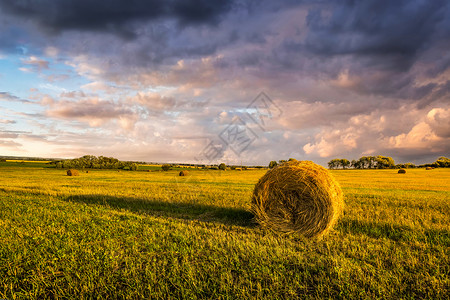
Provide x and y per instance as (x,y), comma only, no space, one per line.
(36,63)
(332,143)
(154,101)
(51,51)
(301,115)
(94,111)
(114,15)
(373,47)
(379,30)
(405,133)
(8,144)
(439,121)
(99,86)
(14,140)
(421,136)
(6,96)
(8,135)
(57,77)
(5,121)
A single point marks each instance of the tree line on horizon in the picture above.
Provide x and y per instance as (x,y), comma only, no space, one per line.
(94,162)
(382,162)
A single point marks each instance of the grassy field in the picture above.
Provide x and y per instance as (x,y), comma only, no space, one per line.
(110,234)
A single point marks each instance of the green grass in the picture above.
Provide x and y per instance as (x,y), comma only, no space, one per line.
(109,234)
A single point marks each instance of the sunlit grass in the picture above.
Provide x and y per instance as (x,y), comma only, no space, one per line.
(158,235)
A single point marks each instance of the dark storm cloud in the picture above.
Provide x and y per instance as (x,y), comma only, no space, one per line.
(387,47)
(395,31)
(114,15)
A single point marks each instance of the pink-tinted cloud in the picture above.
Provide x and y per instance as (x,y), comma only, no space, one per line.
(439,121)
(35,63)
(93,111)
(5,121)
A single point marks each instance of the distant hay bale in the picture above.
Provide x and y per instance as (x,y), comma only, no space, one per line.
(87,172)
(401,171)
(184,173)
(429,168)
(298,197)
(72,172)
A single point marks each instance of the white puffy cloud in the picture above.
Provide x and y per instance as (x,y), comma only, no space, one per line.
(439,121)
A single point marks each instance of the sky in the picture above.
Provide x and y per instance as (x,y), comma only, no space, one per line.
(239,82)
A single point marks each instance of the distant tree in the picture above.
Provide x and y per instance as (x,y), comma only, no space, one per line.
(366,162)
(442,162)
(384,162)
(345,163)
(272,164)
(93,162)
(222,166)
(333,164)
(166,167)
(405,166)
(338,163)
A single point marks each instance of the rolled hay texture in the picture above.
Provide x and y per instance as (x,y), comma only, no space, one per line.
(401,171)
(298,197)
(429,168)
(184,173)
(72,172)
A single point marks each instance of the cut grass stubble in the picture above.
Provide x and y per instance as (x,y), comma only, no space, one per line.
(148,235)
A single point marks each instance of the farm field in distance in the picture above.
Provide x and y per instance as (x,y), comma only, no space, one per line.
(138,234)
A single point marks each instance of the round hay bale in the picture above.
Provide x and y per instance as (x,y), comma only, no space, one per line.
(184,173)
(401,171)
(429,168)
(87,172)
(298,197)
(72,172)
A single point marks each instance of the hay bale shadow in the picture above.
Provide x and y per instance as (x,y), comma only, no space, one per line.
(186,211)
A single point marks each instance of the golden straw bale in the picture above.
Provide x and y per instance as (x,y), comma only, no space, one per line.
(298,197)
(72,172)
